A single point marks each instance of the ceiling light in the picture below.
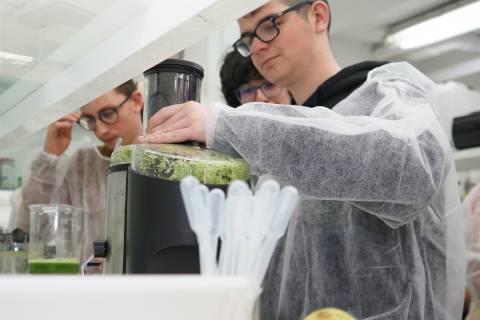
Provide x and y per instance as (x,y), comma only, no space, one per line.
(16,59)
(442,27)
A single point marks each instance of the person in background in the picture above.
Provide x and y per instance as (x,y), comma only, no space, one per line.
(379,229)
(471,205)
(242,83)
(81,180)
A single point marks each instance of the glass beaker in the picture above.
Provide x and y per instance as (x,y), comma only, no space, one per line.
(13,254)
(55,239)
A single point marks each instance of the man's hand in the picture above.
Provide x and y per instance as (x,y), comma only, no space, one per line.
(177,123)
(59,134)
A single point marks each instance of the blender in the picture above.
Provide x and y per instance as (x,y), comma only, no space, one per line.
(147,227)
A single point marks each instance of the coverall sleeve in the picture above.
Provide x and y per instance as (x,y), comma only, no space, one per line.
(376,149)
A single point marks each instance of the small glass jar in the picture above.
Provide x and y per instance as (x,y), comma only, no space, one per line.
(13,255)
(7,174)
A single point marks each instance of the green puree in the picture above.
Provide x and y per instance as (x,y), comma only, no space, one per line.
(54,266)
(174,162)
(121,155)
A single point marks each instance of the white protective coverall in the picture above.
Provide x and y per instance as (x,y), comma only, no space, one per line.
(79,180)
(379,230)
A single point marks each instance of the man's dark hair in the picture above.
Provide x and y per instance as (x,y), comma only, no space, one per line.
(293,2)
(235,72)
(127,88)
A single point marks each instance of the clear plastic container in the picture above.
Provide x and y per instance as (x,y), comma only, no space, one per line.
(176,161)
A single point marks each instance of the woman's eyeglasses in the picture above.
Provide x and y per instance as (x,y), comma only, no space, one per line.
(108,115)
(248,93)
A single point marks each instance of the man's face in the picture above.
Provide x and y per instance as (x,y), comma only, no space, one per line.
(128,121)
(280,60)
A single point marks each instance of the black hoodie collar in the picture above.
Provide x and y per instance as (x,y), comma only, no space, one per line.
(342,84)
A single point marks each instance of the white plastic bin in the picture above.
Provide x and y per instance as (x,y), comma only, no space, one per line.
(127,298)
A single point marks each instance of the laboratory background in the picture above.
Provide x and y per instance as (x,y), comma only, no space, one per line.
(58,55)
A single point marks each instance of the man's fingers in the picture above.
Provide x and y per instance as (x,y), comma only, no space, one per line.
(72,117)
(167,137)
(171,123)
(163,115)
(62,125)
(181,124)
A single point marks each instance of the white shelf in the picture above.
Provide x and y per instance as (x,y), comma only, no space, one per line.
(468,159)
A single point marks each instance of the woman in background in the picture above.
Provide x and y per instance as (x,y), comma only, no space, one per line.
(242,83)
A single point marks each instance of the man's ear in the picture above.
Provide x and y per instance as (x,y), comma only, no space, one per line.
(320,14)
(137,98)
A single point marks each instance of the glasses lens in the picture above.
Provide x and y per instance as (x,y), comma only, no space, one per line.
(267,31)
(243,46)
(247,94)
(109,115)
(87,123)
(270,90)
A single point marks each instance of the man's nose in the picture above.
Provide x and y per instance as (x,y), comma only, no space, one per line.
(257,45)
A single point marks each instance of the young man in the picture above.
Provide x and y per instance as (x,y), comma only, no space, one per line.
(81,180)
(379,231)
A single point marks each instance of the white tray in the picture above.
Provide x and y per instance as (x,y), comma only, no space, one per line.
(127,297)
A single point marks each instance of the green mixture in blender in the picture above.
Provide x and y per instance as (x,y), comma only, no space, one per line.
(176,161)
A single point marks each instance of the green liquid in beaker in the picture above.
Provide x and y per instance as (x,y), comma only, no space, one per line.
(54,266)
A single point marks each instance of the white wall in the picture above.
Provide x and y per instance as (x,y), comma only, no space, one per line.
(348,52)
(209,53)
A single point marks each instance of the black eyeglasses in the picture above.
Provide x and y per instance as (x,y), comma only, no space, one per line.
(248,93)
(266,31)
(108,115)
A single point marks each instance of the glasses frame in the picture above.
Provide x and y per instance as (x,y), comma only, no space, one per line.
(99,115)
(261,86)
(242,48)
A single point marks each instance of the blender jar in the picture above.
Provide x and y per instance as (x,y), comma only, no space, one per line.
(55,239)
(171,82)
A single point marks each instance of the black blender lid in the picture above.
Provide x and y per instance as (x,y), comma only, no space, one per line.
(176,65)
